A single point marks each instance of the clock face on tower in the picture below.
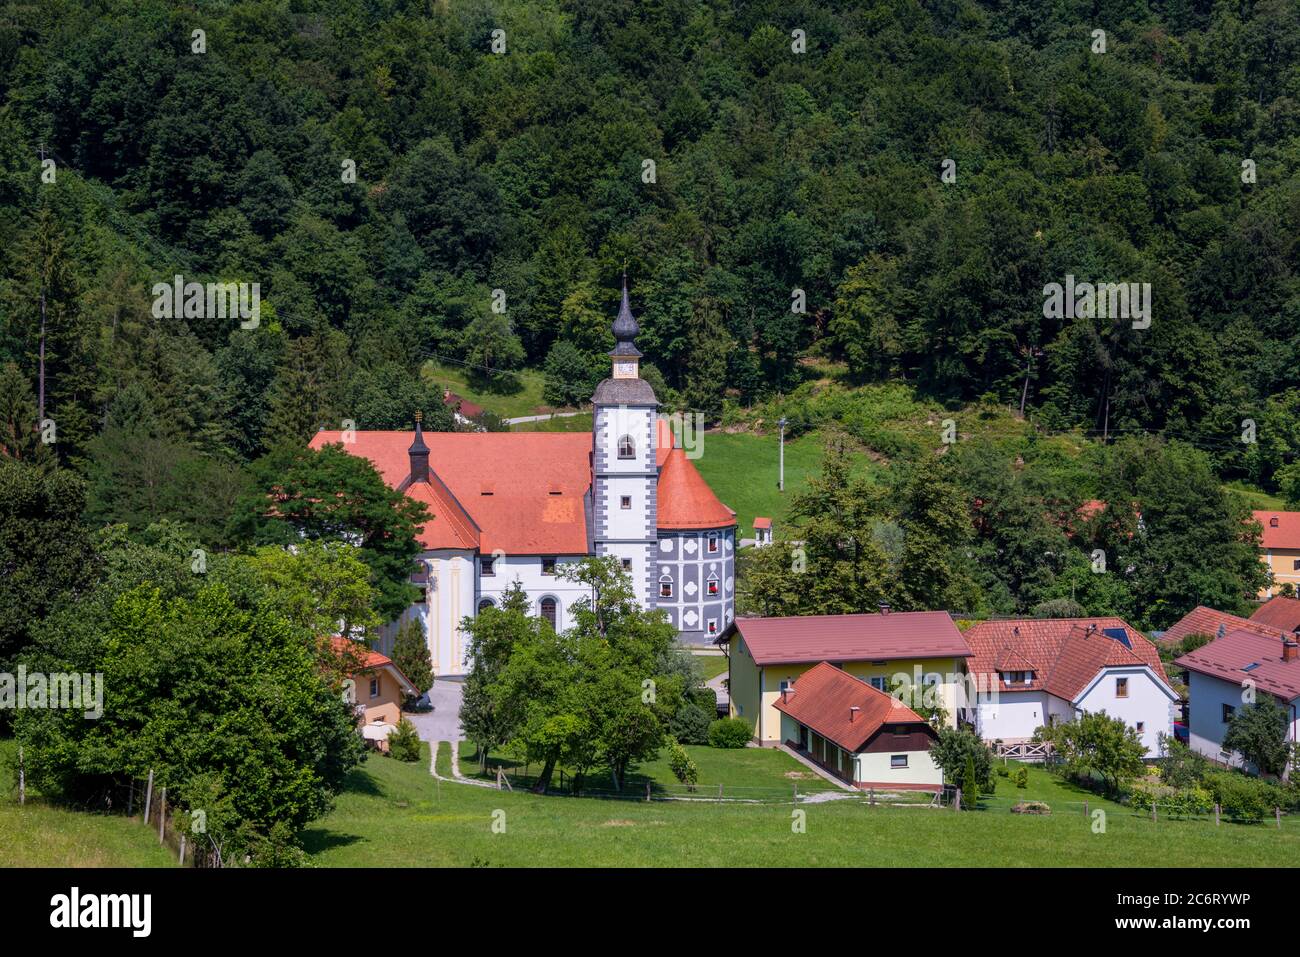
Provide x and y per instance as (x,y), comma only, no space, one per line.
(625,370)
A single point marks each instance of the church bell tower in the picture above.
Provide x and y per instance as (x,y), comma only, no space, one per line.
(625,474)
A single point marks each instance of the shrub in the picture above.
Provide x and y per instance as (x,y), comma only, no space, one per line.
(1242,797)
(1022,778)
(704,698)
(683,768)
(404,742)
(1004,771)
(690,725)
(729,733)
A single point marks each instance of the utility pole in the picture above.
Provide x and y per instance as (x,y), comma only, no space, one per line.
(780,479)
(1030,353)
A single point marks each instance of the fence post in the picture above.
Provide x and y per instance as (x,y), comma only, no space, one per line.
(956,800)
(148,797)
(1216,815)
(182,850)
(1277,813)
(162,814)
(22,778)
(871,797)
(1085,808)
(647,792)
(130,797)
(719,793)
(796,793)
(1153,810)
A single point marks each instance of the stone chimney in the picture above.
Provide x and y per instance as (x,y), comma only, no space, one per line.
(1290,650)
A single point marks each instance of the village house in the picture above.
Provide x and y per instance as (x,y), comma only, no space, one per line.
(767,656)
(1278,612)
(1044,671)
(1231,671)
(516,507)
(860,734)
(1213,623)
(376,689)
(1279,549)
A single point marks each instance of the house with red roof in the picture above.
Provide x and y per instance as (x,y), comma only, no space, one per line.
(1279,548)
(1231,671)
(921,654)
(1032,672)
(515,507)
(1213,623)
(1278,612)
(858,733)
(376,688)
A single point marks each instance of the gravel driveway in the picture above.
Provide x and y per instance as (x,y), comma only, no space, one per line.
(443,722)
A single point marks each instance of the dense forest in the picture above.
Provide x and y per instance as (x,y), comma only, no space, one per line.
(885,186)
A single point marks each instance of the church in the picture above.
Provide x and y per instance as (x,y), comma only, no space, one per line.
(515,506)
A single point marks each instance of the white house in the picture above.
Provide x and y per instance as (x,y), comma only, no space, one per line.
(514,507)
(1232,670)
(1035,672)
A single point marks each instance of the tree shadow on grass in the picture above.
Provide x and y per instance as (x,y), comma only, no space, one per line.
(315,840)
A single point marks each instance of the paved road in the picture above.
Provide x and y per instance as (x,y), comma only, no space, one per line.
(542,418)
(443,722)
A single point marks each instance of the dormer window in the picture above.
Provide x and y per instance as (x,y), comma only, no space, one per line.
(1272,522)
(626,447)
(1017,677)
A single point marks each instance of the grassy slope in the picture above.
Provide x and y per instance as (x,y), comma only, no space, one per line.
(395,815)
(526,401)
(39,835)
(741,469)
(755,772)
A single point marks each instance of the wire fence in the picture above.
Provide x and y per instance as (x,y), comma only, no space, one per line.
(182,831)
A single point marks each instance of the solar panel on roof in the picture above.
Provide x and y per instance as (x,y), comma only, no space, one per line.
(1119,634)
(1251,667)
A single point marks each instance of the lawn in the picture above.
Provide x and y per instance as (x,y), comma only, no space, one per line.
(526,400)
(755,773)
(568,423)
(395,814)
(741,468)
(712,665)
(37,834)
(1257,499)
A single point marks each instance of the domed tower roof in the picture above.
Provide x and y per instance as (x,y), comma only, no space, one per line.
(625,328)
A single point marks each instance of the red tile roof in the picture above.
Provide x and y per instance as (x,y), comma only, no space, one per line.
(685,500)
(1064,654)
(878,637)
(457,404)
(762,522)
(524,493)
(518,469)
(1210,621)
(1279,612)
(1281,529)
(371,660)
(823,697)
(1225,657)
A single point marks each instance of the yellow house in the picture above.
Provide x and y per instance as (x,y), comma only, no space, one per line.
(1279,549)
(921,651)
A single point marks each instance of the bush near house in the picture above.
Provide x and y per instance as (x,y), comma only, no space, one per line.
(690,725)
(404,742)
(729,733)
(1243,797)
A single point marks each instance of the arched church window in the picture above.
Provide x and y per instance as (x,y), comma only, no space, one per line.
(549,609)
(485,603)
(626,447)
(665,587)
